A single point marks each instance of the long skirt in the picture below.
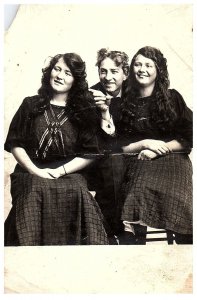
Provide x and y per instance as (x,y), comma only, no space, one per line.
(159,192)
(53,212)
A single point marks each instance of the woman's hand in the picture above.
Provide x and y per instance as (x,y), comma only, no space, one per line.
(147,155)
(43,173)
(101,100)
(157,146)
(49,173)
(24,160)
(56,173)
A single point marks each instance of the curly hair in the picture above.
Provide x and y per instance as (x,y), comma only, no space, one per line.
(119,57)
(80,103)
(163,113)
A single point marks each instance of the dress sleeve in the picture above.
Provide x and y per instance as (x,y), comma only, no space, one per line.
(98,142)
(87,144)
(18,131)
(184,124)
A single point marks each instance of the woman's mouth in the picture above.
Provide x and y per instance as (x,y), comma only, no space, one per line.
(58,82)
(142,75)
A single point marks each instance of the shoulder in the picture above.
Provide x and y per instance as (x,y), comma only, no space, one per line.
(31,100)
(176,97)
(174,93)
(28,108)
(30,103)
(178,100)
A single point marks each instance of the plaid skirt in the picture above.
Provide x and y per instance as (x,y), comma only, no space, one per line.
(53,212)
(159,192)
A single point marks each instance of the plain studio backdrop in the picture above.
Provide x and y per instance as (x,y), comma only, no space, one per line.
(43,30)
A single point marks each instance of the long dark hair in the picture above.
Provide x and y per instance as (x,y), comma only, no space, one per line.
(163,113)
(80,103)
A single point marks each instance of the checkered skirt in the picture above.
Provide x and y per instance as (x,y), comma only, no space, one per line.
(53,212)
(159,192)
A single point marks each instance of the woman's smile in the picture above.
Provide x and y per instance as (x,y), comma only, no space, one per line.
(58,82)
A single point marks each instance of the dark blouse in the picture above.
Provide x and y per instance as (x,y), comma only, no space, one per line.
(144,128)
(27,129)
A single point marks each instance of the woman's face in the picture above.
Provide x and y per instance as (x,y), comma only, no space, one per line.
(145,71)
(61,78)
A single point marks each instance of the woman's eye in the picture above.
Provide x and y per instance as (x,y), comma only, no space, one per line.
(68,73)
(56,68)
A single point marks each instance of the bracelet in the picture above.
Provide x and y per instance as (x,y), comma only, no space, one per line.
(65,173)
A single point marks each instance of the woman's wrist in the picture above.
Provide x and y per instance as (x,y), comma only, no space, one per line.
(134,147)
(143,144)
(34,170)
(62,170)
(125,149)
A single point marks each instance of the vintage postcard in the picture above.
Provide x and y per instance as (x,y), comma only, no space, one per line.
(157,262)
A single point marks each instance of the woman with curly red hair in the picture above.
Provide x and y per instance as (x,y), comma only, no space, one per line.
(156,130)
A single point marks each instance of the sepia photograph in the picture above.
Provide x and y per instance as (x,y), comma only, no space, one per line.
(98,148)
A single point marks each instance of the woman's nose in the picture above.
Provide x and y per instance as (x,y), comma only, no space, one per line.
(60,75)
(142,68)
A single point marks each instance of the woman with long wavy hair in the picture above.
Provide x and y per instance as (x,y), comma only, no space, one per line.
(52,137)
(156,134)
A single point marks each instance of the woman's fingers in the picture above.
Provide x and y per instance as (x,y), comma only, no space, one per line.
(146,155)
(158,146)
(163,150)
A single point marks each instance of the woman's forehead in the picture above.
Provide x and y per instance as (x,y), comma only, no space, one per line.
(143,58)
(62,64)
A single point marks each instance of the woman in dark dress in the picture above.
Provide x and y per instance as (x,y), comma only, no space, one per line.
(156,129)
(51,137)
